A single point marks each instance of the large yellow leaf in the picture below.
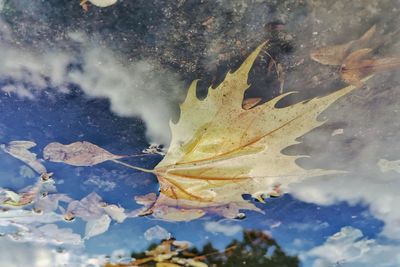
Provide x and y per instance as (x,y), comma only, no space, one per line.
(220,151)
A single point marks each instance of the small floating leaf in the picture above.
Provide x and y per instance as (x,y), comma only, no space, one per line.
(78,154)
(97,227)
(20,150)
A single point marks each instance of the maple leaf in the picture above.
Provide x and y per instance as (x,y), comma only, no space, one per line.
(220,150)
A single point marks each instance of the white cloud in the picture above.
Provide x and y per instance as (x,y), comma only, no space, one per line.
(156,233)
(317,226)
(26,172)
(135,89)
(14,254)
(47,234)
(120,255)
(350,248)
(227,229)
(31,71)
(381,197)
(17,254)
(23,217)
(371,134)
(101,183)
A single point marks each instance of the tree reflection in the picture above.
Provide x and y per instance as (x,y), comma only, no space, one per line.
(256,249)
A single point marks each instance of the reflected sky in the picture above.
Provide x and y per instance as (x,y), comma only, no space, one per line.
(114,77)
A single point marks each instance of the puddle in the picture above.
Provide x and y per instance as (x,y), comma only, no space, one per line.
(114,77)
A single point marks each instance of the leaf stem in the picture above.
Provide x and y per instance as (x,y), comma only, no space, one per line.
(133,167)
(139,155)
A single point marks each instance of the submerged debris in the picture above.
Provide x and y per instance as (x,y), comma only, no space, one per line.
(336,54)
(351,57)
(355,66)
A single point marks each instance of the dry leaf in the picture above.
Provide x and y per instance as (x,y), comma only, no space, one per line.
(78,154)
(27,195)
(188,262)
(220,151)
(20,150)
(167,253)
(335,54)
(103,3)
(99,3)
(23,199)
(147,201)
(350,57)
(250,102)
(355,67)
(88,208)
(97,226)
(93,210)
(7,196)
(116,213)
(51,202)
(167,264)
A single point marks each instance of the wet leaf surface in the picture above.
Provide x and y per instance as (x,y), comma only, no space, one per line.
(77,154)
(220,150)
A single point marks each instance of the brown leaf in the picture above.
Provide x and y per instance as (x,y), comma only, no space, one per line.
(78,154)
(25,196)
(335,54)
(355,67)
(331,55)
